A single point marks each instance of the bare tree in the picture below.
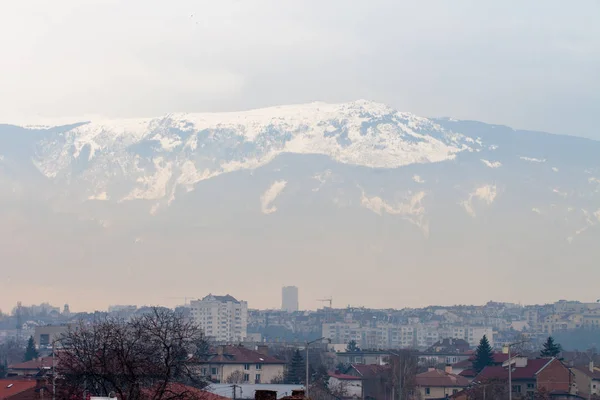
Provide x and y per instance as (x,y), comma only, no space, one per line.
(404,366)
(235,377)
(143,358)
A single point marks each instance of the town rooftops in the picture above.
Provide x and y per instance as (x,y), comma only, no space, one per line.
(239,355)
(38,363)
(439,378)
(12,387)
(527,372)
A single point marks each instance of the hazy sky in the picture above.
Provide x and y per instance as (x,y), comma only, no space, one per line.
(531,64)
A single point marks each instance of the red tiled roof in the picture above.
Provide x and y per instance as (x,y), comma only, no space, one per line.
(439,378)
(369,371)
(18,386)
(241,355)
(468,373)
(344,377)
(463,364)
(38,363)
(527,372)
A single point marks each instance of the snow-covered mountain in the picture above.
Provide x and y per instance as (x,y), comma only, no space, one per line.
(358,180)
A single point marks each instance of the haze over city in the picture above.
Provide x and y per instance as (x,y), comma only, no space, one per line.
(368,196)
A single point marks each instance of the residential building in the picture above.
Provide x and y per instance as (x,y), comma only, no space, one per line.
(240,363)
(345,386)
(17,389)
(587,380)
(529,376)
(45,336)
(222,318)
(439,384)
(289,299)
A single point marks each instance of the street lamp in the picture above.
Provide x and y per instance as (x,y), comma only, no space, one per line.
(307,345)
(510,367)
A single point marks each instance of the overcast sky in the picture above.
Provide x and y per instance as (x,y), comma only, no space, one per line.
(528,64)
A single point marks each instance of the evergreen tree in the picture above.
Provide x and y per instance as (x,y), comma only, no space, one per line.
(296,371)
(3,369)
(30,353)
(484,355)
(352,347)
(551,348)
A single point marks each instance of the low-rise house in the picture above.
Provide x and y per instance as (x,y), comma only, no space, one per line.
(30,368)
(541,375)
(345,386)
(18,388)
(238,364)
(587,380)
(439,384)
(375,380)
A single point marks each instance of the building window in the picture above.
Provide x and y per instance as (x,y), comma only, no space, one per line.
(530,386)
(259,366)
(516,388)
(246,367)
(257,378)
(454,391)
(427,391)
(213,371)
(204,371)
(246,377)
(44,339)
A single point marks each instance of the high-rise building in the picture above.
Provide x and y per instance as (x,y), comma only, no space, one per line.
(289,298)
(222,318)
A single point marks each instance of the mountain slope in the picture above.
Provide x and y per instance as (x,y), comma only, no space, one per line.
(319,188)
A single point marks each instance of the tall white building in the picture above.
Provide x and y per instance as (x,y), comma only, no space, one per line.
(223,318)
(289,298)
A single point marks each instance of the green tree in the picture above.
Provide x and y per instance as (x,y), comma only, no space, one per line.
(296,371)
(3,369)
(352,347)
(551,348)
(484,355)
(30,352)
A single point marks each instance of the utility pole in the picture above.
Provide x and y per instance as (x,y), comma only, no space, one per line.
(510,368)
(306,361)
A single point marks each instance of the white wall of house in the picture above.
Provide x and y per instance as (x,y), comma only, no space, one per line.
(349,388)
(265,372)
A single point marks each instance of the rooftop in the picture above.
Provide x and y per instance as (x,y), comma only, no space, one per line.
(439,378)
(240,355)
(12,387)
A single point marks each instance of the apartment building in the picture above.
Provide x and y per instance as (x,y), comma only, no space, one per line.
(223,318)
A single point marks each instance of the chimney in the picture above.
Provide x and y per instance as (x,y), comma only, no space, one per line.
(592,366)
(448,369)
(262,349)
(298,393)
(220,350)
(265,395)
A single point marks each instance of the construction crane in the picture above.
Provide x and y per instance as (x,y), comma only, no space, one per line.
(328,300)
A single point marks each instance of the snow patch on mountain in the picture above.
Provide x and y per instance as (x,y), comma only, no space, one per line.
(269,196)
(533,160)
(492,164)
(418,179)
(154,186)
(536,210)
(184,149)
(554,169)
(99,197)
(487,194)
(411,208)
